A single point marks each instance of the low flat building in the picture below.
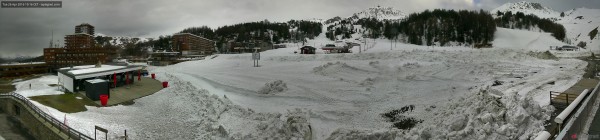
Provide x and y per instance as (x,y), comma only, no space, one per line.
(72,79)
(22,69)
(163,58)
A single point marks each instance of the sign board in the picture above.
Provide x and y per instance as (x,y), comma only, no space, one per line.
(256,56)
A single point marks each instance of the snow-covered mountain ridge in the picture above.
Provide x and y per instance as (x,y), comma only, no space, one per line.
(121,40)
(578,22)
(380,13)
(528,8)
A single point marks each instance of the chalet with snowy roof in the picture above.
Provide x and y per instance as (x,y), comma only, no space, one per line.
(74,79)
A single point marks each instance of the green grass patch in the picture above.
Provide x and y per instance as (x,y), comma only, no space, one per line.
(6,86)
(67,103)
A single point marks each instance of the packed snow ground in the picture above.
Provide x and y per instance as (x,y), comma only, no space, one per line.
(342,95)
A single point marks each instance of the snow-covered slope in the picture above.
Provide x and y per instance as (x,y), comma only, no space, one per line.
(528,8)
(578,22)
(532,41)
(527,40)
(121,40)
(350,23)
(380,13)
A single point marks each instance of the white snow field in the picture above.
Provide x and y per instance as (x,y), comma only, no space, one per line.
(342,96)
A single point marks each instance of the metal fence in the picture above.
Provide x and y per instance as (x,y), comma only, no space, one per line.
(577,122)
(70,132)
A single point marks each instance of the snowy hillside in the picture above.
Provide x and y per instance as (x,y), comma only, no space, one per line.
(121,40)
(380,13)
(528,8)
(350,28)
(578,22)
(532,41)
(527,40)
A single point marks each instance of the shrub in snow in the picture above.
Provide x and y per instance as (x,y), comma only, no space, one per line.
(399,119)
(183,111)
(273,87)
(582,44)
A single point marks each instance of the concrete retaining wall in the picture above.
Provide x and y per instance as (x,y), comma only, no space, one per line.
(32,122)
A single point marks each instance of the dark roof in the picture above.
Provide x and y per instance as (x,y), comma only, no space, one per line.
(310,47)
(573,47)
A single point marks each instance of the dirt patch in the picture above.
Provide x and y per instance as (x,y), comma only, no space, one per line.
(543,55)
(398,118)
(127,103)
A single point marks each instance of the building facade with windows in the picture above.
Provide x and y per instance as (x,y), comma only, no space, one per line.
(79,40)
(190,44)
(22,69)
(80,49)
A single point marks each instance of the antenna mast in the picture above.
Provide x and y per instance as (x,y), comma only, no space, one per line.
(52,39)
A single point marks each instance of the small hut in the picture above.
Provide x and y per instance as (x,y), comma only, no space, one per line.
(307,50)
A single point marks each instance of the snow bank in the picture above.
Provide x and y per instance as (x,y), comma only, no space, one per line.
(482,116)
(180,111)
(474,116)
(273,87)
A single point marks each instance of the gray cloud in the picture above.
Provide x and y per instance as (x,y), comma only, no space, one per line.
(26,31)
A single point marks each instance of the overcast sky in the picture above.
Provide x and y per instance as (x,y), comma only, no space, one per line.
(26,31)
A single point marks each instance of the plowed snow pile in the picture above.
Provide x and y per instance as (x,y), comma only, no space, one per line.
(182,111)
(273,87)
(346,94)
(476,116)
